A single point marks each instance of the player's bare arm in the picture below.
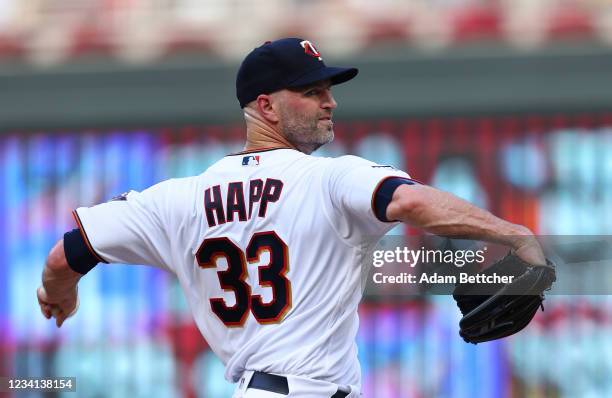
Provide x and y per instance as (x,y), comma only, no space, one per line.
(58,296)
(444,214)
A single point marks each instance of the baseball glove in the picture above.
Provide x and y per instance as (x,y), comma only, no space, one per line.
(496,310)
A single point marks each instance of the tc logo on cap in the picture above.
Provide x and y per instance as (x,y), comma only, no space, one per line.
(310,49)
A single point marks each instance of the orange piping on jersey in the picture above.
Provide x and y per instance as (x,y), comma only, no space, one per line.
(85,238)
(373,201)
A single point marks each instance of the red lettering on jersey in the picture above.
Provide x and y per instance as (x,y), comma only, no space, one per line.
(235,201)
(215,205)
(271,193)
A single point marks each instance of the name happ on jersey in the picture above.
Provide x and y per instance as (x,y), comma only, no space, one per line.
(233,207)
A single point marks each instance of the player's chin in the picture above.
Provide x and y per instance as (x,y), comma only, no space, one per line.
(325,132)
(326,137)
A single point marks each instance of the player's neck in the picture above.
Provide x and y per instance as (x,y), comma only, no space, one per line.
(262,135)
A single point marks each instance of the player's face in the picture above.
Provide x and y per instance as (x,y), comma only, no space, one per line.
(306,116)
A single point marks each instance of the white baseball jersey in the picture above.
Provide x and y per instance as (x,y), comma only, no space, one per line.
(268,248)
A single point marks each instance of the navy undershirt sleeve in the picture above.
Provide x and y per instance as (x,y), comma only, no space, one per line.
(77,253)
(384,194)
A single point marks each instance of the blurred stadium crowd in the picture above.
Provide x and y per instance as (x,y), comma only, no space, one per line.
(49,31)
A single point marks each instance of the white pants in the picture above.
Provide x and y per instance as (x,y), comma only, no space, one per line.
(299,387)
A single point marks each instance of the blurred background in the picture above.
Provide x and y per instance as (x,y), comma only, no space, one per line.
(506,103)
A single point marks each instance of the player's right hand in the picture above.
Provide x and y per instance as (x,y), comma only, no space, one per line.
(58,308)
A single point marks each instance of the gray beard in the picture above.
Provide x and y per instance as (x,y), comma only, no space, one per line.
(304,139)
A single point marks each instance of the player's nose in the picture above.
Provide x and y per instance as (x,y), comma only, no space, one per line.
(329,102)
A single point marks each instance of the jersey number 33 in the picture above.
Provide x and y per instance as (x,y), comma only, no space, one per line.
(233,279)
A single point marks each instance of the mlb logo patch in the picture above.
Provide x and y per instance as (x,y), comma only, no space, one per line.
(250,161)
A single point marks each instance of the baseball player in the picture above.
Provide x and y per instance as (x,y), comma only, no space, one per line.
(267,243)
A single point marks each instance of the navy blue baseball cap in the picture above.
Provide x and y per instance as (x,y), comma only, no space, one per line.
(284,63)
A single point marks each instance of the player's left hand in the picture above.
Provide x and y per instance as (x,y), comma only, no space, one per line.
(530,251)
(60,308)
(495,310)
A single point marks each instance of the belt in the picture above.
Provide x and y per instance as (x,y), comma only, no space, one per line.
(278,384)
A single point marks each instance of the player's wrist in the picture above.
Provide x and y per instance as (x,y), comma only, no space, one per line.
(60,284)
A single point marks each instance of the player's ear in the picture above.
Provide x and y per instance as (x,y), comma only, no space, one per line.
(265,106)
